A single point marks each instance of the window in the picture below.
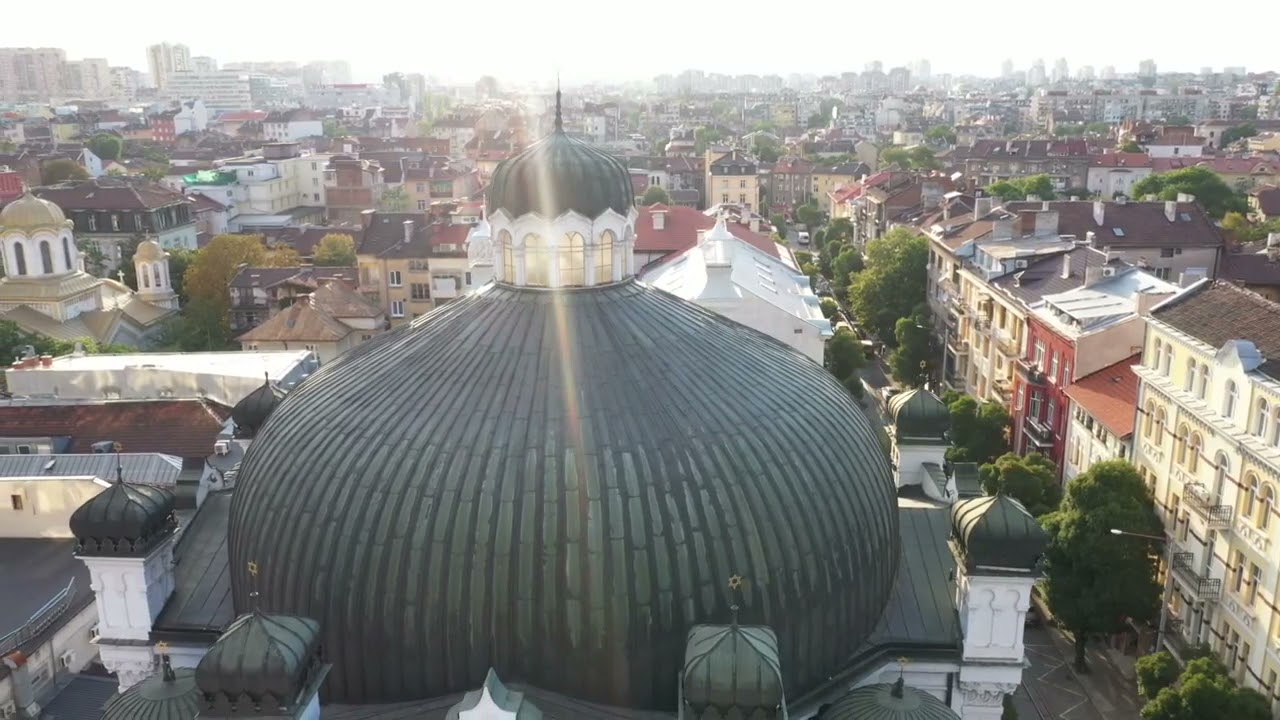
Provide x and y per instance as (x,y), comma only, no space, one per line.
(66,253)
(1202,381)
(1167,361)
(422,204)
(24,449)
(468,279)
(1237,571)
(1266,505)
(93,219)
(15,502)
(1255,579)
(1039,356)
(115,223)
(1249,496)
(573,258)
(393,278)
(1221,466)
(145,279)
(1036,401)
(1158,356)
(155,275)
(1051,417)
(1066,373)
(1160,426)
(1262,416)
(604,257)
(397,308)
(1166,252)
(420,291)
(20,258)
(537,261)
(1193,452)
(1180,445)
(1229,402)
(1148,418)
(46,257)
(1054,367)
(1188,382)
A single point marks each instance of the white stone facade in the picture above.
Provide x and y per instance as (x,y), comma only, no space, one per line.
(131,592)
(568,251)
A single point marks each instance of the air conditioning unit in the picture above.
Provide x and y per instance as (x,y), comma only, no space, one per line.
(1108,271)
(8,710)
(222,447)
(94,634)
(67,660)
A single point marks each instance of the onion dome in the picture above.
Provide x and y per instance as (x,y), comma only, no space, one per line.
(253,409)
(268,661)
(556,485)
(732,668)
(558,174)
(888,701)
(31,213)
(169,695)
(124,519)
(996,533)
(918,413)
(149,251)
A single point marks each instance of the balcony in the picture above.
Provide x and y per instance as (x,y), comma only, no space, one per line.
(1007,345)
(1004,389)
(1206,506)
(1203,588)
(1038,431)
(1031,372)
(444,287)
(957,346)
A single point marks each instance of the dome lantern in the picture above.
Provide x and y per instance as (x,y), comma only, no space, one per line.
(732,668)
(271,662)
(919,414)
(251,413)
(170,694)
(124,520)
(996,534)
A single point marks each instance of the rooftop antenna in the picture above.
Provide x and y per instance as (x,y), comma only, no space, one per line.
(899,685)
(162,649)
(736,585)
(117,447)
(559,117)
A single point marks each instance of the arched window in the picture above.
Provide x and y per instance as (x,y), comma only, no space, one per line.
(1189,382)
(537,261)
(66,254)
(1193,452)
(1229,402)
(1202,381)
(155,275)
(46,257)
(1221,467)
(144,277)
(1148,419)
(1266,504)
(1158,357)
(1249,496)
(1159,426)
(19,258)
(1262,418)
(573,261)
(508,257)
(1168,359)
(1180,444)
(604,257)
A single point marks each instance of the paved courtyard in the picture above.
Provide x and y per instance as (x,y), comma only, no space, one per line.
(1051,690)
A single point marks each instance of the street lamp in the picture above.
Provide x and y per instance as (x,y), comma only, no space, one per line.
(1168,580)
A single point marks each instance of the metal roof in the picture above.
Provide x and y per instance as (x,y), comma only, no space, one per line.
(137,468)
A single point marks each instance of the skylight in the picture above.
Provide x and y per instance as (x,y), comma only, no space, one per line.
(1119,232)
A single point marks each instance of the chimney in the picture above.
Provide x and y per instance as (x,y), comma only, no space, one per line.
(1090,237)
(1146,301)
(1066,266)
(982,206)
(1026,222)
(755,223)
(366,218)
(946,210)
(408,231)
(24,695)
(1046,223)
(1170,210)
(659,218)
(1099,212)
(1186,198)
(1092,275)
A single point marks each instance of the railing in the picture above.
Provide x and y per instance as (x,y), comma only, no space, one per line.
(1205,505)
(1006,344)
(1004,390)
(1204,588)
(40,621)
(1039,431)
(957,346)
(1033,373)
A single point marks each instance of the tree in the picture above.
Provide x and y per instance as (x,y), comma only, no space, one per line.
(655,195)
(703,137)
(95,260)
(809,214)
(333,129)
(1068,129)
(922,158)
(816,120)
(779,223)
(978,431)
(942,134)
(913,360)
(1238,132)
(1243,230)
(1030,479)
(766,149)
(819,239)
(1019,188)
(1096,581)
(1131,146)
(205,282)
(106,146)
(61,170)
(845,354)
(839,231)
(1205,691)
(895,156)
(335,250)
(848,262)
(155,173)
(1210,191)
(893,282)
(1156,672)
(14,342)
(394,199)
(829,307)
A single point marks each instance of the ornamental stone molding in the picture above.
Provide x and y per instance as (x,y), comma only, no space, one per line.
(130,671)
(990,694)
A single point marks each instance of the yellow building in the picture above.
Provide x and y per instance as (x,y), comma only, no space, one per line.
(409,264)
(827,180)
(732,179)
(1207,440)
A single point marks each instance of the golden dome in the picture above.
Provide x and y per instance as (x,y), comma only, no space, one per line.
(30,213)
(149,251)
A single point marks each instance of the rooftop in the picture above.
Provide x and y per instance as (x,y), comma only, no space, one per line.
(680,231)
(1089,308)
(1214,312)
(138,468)
(1110,395)
(34,571)
(185,428)
(276,364)
(1130,224)
(109,195)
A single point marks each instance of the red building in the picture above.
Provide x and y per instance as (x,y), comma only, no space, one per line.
(162,126)
(1040,403)
(10,185)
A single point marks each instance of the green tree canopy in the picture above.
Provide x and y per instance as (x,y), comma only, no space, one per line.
(915,158)
(779,223)
(942,133)
(848,262)
(1030,479)
(845,354)
(1245,230)
(829,307)
(978,431)
(703,137)
(1238,132)
(206,280)
(1131,146)
(1019,188)
(394,199)
(840,230)
(106,146)
(654,195)
(893,282)
(1205,691)
(14,341)
(1211,192)
(809,215)
(335,250)
(61,170)
(1096,580)
(914,359)
(1156,672)
(766,150)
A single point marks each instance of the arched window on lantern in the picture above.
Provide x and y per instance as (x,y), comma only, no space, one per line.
(46,257)
(537,261)
(604,257)
(19,258)
(508,257)
(66,254)
(573,259)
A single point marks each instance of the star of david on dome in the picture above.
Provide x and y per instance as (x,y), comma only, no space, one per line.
(736,582)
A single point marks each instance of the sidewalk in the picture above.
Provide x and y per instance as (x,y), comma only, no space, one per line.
(1105,693)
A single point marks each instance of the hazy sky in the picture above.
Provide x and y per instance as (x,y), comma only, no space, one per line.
(521,40)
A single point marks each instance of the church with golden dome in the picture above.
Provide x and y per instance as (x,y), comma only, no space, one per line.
(46,291)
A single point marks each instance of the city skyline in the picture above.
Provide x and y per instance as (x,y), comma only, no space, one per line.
(502,48)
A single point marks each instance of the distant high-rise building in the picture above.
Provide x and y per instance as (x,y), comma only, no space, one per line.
(1060,70)
(1234,72)
(1085,73)
(1206,71)
(1036,75)
(899,80)
(921,70)
(1006,69)
(163,60)
(874,66)
(203,64)
(125,82)
(89,78)
(1108,72)
(32,73)
(1147,69)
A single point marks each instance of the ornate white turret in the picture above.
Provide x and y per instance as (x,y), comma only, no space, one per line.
(151,263)
(480,252)
(36,239)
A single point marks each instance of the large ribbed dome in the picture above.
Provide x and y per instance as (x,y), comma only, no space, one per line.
(558,485)
(558,174)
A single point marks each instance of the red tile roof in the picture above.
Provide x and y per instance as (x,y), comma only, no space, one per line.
(1121,159)
(242,116)
(450,235)
(1223,165)
(680,231)
(185,428)
(1110,395)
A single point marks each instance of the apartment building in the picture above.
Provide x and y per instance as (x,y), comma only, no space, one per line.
(351,186)
(265,190)
(1066,162)
(164,59)
(31,73)
(1208,442)
(221,90)
(732,177)
(412,262)
(1102,410)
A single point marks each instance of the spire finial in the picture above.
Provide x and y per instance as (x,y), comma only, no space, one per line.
(899,685)
(119,464)
(559,116)
(736,586)
(253,568)
(162,649)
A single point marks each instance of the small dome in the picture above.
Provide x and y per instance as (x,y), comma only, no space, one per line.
(30,213)
(269,659)
(253,409)
(888,701)
(124,519)
(149,251)
(732,666)
(168,695)
(558,174)
(997,532)
(919,413)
